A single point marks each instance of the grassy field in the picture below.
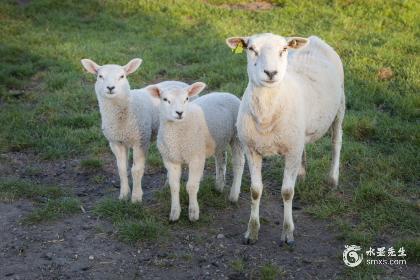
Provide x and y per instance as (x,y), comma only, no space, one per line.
(48,107)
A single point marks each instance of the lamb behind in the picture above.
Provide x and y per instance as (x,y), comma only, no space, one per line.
(129,119)
(191,132)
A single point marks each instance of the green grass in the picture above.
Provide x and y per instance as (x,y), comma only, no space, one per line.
(271,272)
(48,105)
(91,164)
(53,210)
(51,202)
(132,221)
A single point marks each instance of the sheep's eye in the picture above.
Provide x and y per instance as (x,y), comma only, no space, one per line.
(101,77)
(253,50)
(122,77)
(283,51)
(166,100)
(186,99)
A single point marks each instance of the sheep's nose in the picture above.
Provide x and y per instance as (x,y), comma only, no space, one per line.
(110,88)
(179,113)
(270,74)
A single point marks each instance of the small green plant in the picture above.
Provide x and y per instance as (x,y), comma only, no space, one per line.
(54,209)
(270,272)
(238,265)
(91,164)
(133,222)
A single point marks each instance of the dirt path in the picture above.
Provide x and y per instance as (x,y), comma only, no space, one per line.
(85,247)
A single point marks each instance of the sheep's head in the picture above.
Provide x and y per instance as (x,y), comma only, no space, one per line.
(111,79)
(267,56)
(174,101)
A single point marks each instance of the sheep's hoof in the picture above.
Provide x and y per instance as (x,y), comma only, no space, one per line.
(290,243)
(123,197)
(193,214)
(136,200)
(233,198)
(249,241)
(174,216)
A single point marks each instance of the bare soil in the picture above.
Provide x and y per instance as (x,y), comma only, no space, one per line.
(85,247)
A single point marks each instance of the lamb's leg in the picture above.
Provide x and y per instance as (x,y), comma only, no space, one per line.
(195,169)
(174,177)
(120,151)
(302,169)
(137,171)
(336,139)
(292,164)
(255,164)
(220,159)
(238,162)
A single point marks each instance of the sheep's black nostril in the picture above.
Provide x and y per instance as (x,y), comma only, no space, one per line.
(110,88)
(179,113)
(270,74)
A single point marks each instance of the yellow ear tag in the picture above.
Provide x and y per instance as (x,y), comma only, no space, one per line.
(239,48)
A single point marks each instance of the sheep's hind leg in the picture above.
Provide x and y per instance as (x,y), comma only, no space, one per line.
(291,169)
(336,139)
(238,162)
(302,169)
(220,159)
(120,151)
(174,177)
(255,164)
(137,171)
(195,169)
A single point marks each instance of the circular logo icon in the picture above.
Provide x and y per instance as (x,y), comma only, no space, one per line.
(351,256)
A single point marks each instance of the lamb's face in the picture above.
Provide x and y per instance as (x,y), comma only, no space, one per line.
(174,102)
(111,79)
(267,56)
(111,82)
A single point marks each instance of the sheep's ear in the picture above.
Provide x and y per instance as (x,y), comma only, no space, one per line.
(153,91)
(196,88)
(90,65)
(132,66)
(296,42)
(233,42)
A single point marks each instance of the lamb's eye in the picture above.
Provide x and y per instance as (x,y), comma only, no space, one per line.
(101,77)
(283,51)
(122,77)
(253,50)
(186,99)
(166,100)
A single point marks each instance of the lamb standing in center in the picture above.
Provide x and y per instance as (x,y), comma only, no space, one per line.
(191,132)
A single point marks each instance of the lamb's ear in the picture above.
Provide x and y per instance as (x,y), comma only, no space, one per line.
(132,66)
(153,90)
(296,42)
(195,88)
(90,65)
(233,42)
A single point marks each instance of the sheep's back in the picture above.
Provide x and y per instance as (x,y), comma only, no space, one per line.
(220,111)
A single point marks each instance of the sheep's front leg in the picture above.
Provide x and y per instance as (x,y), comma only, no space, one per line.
(137,171)
(195,168)
(255,164)
(238,162)
(120,151)
(292,164)
(220,159)
(174,176)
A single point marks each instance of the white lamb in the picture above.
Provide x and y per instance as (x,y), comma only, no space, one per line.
(191,132)
(291,100)
(129,119)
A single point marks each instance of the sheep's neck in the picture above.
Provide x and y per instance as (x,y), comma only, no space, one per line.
(264,105)
(114,112)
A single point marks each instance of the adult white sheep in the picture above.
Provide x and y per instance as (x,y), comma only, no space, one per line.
(189,132)
(291,100)
(129,119)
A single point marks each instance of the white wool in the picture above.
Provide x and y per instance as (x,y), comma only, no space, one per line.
(130,119)
(190,132)
(291,99)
